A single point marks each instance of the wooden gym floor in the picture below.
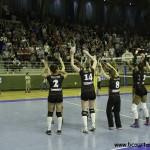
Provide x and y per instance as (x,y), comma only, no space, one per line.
(17,95)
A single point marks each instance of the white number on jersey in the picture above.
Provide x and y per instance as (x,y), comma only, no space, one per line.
(117,84)
(88,77)
(55,83)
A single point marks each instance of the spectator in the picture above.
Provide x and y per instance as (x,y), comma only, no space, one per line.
(28,82)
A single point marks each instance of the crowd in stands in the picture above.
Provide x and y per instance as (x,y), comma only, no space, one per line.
(31,39)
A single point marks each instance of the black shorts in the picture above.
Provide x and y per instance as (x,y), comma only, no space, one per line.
(55,98)
(140,91)
(88,95)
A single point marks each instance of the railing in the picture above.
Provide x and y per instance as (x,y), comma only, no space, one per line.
(7,67)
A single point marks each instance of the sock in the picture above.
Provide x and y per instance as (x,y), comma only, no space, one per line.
(49,122)
(135,114)
(146,113)
(84,119)
(59,119)
(93,118)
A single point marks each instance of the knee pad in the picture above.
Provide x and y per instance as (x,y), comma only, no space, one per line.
(133,107)
(92,110)
(58,114)
(134,110)
(143,105)
(84,113)
(50,114)
(145,110)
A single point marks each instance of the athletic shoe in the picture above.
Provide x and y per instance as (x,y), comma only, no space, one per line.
(48,132)
(147,123)
(111,128)
(59,132)
(119,128)
(135,125)
(92,128)
(85,131)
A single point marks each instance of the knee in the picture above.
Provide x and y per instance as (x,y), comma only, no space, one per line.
(84,113)
(58,114)
(92,111)
(50,114)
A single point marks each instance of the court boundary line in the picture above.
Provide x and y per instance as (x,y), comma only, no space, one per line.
(41,99)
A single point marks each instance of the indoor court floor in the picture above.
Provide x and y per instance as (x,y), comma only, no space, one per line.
(23,123)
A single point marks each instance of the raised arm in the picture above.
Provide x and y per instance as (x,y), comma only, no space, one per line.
(92,58)
(78,63)
(46,71)
(63,72)
(77,69)
(113,62)
(103,72)
(117,74)
(135,59)
(147,66)
(61,62)
(130,65)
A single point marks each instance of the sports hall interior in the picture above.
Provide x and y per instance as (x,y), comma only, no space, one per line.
(31,30)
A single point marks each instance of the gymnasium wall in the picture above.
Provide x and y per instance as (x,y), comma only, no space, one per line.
(17,82)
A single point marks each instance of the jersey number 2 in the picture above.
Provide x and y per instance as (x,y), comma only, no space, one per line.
(55,83)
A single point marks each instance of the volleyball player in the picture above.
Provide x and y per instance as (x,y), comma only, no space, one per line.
(57,56)
(88,94)
(140,91)
(133,77)
(114,101)
(55,78)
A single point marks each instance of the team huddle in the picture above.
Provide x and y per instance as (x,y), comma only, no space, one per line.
(55,77)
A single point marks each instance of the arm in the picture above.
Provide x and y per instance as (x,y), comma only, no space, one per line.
(72,63)
(134,60)
(117,74)
(92,58)
(78,63)
(104,73)
(46,71)
(113,63)
(63,72)
(130,66)
(62,63)
(147,66)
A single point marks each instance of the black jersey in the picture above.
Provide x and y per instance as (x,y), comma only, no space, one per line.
(114,85)
(140,89)
(55,82)
(87,78)
(140,78)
